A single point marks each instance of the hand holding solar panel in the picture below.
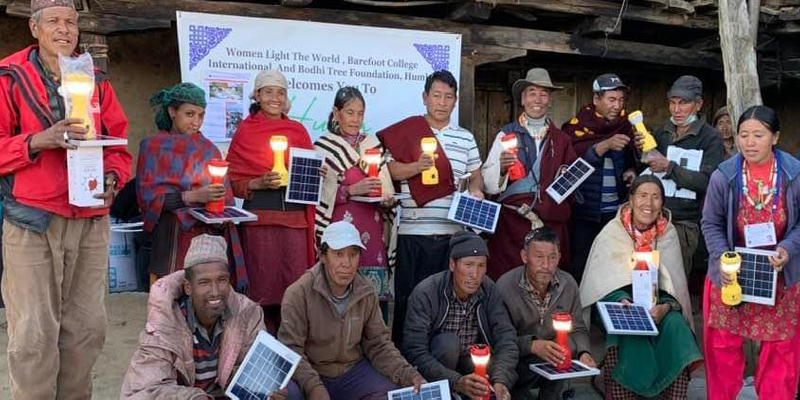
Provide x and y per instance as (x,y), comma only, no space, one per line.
(567,182)
(267,367)
(305,176)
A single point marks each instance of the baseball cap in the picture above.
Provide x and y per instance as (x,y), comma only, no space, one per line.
(608,82)
(341,234)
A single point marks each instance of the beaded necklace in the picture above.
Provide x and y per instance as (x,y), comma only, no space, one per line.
(766,192)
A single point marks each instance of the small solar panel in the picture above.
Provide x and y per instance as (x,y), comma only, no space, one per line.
(576,370)
(439,390)
(567,182)
(305,181)
(757,277)
(633,319)
(229,214)
(267,367)
(471,211)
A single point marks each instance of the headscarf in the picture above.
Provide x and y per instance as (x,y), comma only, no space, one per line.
(175,96)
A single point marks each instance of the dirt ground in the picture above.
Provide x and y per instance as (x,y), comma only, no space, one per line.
(126,317)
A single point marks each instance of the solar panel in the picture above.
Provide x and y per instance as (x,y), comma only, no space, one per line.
(633,319)
(757,277)
(567,182)
(305,182)
(229,214)
(439,390)
(576,370)
(471,211)
(267,367)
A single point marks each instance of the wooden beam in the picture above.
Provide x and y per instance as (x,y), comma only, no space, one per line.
(739,56)
(102,24)
(470,12)
(611,9)
(613,49)
(515,38)
(703,44)
(600,25)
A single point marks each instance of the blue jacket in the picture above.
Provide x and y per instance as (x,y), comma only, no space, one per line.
(721,208)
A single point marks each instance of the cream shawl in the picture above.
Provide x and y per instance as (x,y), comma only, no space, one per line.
(608,267)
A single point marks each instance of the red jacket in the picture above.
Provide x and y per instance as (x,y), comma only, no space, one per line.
(41,182)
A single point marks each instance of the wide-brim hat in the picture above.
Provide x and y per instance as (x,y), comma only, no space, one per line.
(535,76)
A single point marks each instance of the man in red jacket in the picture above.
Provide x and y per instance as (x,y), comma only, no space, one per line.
(544,151)
(55,254)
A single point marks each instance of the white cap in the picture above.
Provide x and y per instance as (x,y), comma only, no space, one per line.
(341,234)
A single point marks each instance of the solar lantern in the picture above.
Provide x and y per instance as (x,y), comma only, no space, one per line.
(480,354)
(373,158)
(279,144)
(729,263)
(78,88)
(516,171)
(430,176)
(562,323)
(217,168)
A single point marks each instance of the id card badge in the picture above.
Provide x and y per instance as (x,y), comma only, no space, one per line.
(759,235)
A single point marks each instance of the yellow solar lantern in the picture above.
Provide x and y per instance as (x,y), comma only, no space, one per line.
(729,263)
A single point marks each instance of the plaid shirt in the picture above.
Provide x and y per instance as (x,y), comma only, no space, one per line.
(462,320)
(542,304)
(205,349)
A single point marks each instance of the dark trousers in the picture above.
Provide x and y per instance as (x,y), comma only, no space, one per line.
(362,382)
(582,234)
(527,380)
(446,348)
(418,257)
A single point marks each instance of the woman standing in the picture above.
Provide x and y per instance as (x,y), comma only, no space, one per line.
(757,188)
(278,247)
(344,147)
(172,176)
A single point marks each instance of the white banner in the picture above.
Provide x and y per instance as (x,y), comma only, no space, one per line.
(222,54)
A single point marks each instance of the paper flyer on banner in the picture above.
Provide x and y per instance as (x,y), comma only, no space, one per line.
(226,104)
(223,54)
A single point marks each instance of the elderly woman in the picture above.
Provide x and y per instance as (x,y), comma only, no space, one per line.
(278,247)
(172,176)
(344,147)
(639,365)
(754,198)
(722,121)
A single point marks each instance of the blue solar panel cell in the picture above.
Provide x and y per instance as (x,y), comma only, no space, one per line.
(267,367)
(567,182)
(630,319)
(757,277)
(439,390)
(473,212)
(305,181)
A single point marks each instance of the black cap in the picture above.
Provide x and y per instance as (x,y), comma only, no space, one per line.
(687,87)
(465,244)
(608,82)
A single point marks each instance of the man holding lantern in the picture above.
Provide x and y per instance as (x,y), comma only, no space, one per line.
(55,253)
(429,156)
(535,293)
(454,310)
(526,157)
(602,135)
